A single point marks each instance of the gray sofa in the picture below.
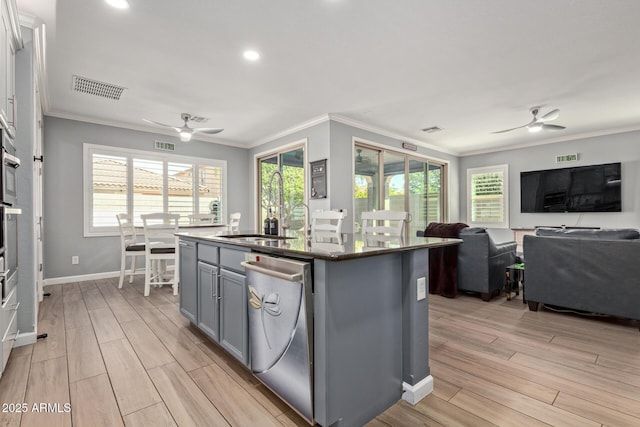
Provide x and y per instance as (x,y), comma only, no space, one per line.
(482,262)
(589,270)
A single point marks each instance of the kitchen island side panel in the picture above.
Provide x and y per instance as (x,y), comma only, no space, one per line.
(358,338)
(415,331)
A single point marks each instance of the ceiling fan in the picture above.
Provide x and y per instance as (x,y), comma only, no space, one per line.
(185,131)
(538,123)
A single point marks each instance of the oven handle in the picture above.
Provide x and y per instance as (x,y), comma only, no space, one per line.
(11,160)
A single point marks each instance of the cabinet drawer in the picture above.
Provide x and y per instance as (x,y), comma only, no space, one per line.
(9,338)
(208,253)
(231,258)
(8,309)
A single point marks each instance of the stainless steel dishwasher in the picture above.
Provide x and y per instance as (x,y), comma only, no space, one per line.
(281,328)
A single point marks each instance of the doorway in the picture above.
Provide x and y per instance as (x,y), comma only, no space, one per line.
(389,180)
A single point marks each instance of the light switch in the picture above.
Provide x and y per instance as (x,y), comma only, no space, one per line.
(422,288)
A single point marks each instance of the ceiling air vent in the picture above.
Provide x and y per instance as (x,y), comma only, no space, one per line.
(432,129)
(94,87)
(165,146)
(565,158)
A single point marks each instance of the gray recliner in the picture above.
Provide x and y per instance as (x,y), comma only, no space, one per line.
(482,262)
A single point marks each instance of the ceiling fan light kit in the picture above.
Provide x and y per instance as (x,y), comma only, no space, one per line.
(185,132)
(538,123)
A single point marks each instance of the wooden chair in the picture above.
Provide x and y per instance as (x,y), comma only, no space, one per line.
(129,246)
(202,219)
(234,221)
(392,228)
(160,246)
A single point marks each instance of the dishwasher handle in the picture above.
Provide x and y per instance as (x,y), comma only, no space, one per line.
(295,277)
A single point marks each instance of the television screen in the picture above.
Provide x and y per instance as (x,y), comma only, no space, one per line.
(594,188)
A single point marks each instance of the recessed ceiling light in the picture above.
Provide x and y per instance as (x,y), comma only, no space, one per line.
(118,4)
(251,55)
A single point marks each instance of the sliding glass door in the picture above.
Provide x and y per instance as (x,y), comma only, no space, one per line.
(388,180)
(291,165)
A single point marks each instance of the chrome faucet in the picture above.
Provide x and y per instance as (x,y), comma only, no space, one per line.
(308,230)
(281,225)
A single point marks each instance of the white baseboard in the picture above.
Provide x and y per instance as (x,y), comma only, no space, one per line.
(92,276)
(415,393)
(80,278)
(25,339)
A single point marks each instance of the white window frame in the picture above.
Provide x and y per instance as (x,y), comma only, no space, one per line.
(90,149)
(504,169)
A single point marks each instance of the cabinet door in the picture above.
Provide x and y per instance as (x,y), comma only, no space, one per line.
(188,280)
(234,326)
(208,301)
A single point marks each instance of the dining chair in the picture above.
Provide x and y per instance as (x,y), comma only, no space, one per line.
(202,219)
(234,221)
(327,222)
(160,246)
(393,225)
(129,246)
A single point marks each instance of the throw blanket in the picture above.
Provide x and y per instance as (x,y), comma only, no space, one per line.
(443,262)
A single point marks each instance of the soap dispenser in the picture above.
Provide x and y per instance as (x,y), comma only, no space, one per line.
(273,225)
(267,223)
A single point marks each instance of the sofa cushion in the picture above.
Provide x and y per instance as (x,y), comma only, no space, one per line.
(603,234)
(473,230)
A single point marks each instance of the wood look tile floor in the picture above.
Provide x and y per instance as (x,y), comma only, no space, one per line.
(120,359)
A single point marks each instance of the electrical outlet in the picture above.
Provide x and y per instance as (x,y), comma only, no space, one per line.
(422,288)
(75,259)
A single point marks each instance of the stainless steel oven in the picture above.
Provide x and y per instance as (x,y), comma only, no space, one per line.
(9,257)
(8,176)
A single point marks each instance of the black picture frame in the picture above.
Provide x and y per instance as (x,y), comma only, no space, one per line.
(318,170)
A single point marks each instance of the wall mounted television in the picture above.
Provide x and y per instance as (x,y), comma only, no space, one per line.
(594,188)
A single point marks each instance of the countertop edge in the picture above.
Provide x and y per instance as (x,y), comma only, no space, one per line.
(434,242)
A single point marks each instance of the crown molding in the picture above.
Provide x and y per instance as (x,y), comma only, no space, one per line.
(568,138)
(14,23)
(380,131)
(29,21)
(141,128)
(289,131)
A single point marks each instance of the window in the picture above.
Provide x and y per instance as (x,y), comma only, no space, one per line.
(290,162)
(488,196)
(118,180)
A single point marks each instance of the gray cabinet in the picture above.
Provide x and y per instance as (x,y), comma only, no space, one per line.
(188,280)
(233,315)
(208,300)
(213,294)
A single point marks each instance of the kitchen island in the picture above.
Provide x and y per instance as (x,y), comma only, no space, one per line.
(368,311)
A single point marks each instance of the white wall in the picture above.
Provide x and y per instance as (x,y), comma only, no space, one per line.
(622,147)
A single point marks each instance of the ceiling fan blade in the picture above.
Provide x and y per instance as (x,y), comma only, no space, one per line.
(158,123)
(551,115)
(509,130)
(210,131)
(552,127)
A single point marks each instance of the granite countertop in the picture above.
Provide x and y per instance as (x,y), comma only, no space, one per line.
(352,245)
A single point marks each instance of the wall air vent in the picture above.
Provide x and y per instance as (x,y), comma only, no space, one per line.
(432,129)
(565,158)
(165,146)
(94,87)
